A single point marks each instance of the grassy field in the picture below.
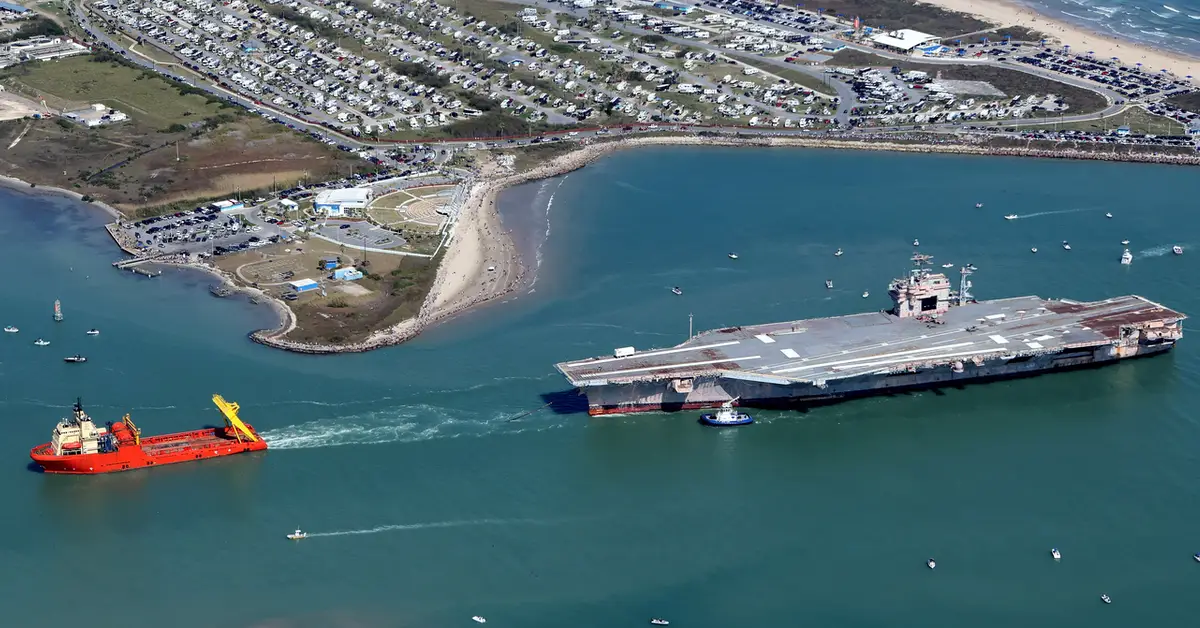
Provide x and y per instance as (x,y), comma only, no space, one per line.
(79,81)
(894,14)
(1189,101)
(1018,33)
(795,76)
(1139,121)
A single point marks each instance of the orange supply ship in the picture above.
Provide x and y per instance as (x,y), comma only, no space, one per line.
(78,446)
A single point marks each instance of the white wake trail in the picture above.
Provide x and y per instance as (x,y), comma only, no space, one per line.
(431,525)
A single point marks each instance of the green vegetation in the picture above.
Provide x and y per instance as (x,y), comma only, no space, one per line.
(534,155)
(795,76)
(894,14)
(422,74)
(1017,33)
(1139,121)
(39,25)
(1189,101)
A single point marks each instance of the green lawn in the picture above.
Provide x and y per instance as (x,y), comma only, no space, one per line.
(82,81)
(795,76)
(1139,121)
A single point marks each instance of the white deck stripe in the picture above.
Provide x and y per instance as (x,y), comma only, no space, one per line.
(664,367)
(1034,345)
(887,357)
(924,357)
(998,339)
(790,353)
(765,338)
(652,353)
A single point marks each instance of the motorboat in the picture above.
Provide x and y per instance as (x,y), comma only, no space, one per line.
(916,243)
(1197,557)
(1178,250)
(676,290)
(10,329)
(297,535)
(837,253)
(1107,600)
(727,416)
(948,265)
(733,256)
(1055,553)
(978,205)
(1066,247)
(1127,257)
(75,358)
(1108,215)
(931,564)
(93,332)
(1033,250)
(1124,242)
(829,284)
(479,619)
(1011,217)
(866,294)
(658,621)
(41,343)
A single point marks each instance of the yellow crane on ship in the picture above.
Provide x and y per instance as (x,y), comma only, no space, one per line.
(230,410)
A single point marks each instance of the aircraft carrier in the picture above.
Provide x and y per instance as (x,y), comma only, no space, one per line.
(933,336)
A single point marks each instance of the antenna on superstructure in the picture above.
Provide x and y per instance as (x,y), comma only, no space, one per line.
(964,285)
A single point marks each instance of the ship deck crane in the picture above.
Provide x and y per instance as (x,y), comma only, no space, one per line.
(230,410)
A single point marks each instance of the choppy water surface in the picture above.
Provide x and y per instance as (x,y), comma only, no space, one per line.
(428,505)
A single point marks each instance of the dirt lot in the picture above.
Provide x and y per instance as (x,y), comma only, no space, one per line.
(391,291)
(176,146)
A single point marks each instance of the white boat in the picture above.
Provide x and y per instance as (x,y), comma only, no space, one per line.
(1066,247)
(930,563)
(866,294)
(916,243)
(1033,250)
(1011,217)
(1178,250)
(658,621)
(75,358)
(1107,600)
(479,619)
(1107,215)
(1127,257)
(1197,557)
(93,332)
(733,256)
(978,205)
(10,329)
(837,253)
(1124,242)
(41,343)
(829,284)
(1055,553)
(297,535)
(948,265)
(676,290)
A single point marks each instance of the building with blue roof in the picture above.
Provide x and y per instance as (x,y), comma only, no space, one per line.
(13,8)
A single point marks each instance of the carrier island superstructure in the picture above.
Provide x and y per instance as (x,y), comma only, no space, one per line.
(933,336)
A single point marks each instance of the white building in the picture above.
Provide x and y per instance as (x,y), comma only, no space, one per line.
(337,202)
(96,115)
(903,40)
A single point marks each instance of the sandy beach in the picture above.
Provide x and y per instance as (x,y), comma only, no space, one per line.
(1079,39)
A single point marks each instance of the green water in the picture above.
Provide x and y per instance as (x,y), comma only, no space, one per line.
(427,506)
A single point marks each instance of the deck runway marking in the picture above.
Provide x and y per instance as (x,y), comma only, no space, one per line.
(765,338)
(1034,345)
(887,358)
(1000,340)
(790,353)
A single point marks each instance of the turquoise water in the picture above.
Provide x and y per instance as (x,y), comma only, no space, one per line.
(427,506)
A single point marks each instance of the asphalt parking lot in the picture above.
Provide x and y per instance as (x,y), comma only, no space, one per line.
(358,234)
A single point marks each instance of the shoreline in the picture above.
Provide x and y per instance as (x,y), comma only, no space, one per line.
(20,185)
(1081,39)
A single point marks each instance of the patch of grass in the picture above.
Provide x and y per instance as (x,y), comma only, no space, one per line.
(895,14)
(795,76)
(141,94)
(1189,101)
(1017,33)
(534,155)
(38,25)
(1139,121)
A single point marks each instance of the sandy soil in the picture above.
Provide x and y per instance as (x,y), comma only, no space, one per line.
(1081,40)
(14,107)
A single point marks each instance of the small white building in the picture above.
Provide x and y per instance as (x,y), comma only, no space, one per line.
(337,202)
(96,115)
(904,40)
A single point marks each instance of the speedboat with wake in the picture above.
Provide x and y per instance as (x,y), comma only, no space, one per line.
(78,359)
(1011,217)
(727,416)
(1127,257)
(676,290)
(658,621)
(11,330)
(1055,553)
(297,535)
(1178,250)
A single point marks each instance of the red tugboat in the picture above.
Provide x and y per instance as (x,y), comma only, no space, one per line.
(78,446)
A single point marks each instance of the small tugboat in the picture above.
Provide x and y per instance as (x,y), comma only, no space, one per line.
(41,343)
(78,359)
(1107,600)
(727,416)
(1055,553)
(1011,217)
(837,253)
(733,256)
(93,332)
(658,621)
(676,290)
(1066,247)
(829,284)
(866,294)
(297,535)
(479,619)
(1127,257)
(11,330)
(931,564)
(1178,250)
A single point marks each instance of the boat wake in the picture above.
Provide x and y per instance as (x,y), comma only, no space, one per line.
(1156,251)
(1059,211)
(431,525)
(403,424)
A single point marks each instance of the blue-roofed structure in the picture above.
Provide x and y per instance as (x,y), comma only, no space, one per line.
(13,8)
